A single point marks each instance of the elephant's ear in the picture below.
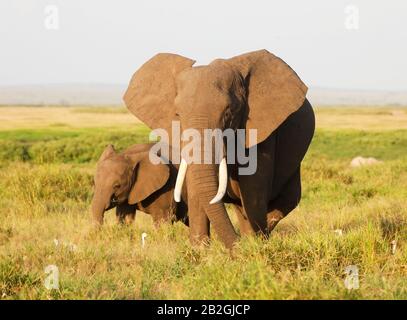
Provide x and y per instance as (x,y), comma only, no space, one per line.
(109,151)
(148,178)
(152,89)
(274,91)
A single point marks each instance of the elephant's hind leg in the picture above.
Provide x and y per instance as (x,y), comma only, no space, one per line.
(286,201)
(256,188)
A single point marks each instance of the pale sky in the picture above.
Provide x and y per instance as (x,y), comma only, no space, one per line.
(105,41)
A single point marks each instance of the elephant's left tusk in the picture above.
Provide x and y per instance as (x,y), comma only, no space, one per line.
(180,180)
(223,181)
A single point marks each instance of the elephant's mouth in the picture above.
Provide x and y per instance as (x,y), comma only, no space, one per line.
(114,201)
(223,178)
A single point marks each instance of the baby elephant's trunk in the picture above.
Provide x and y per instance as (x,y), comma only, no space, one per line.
(100,203)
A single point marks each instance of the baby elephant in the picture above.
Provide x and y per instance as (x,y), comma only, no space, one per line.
(130,182)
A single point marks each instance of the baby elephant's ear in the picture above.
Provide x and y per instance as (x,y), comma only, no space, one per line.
(148,179)
(109,151)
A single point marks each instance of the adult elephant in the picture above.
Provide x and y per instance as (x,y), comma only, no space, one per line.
(256,90)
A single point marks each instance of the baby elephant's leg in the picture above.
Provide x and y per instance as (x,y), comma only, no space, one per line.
(125,213)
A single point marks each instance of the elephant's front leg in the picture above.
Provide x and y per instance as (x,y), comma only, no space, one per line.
(125,213)
(244,223)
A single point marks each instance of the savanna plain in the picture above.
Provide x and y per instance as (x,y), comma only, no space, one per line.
(347,216)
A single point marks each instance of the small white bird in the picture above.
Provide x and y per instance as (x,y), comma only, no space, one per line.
(143,239)
(393,246)
(339,232)
(72,247)
(69,245)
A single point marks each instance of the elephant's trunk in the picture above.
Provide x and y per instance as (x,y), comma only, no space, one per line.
(100,203)
(223,180)
(203,185)
(204,182)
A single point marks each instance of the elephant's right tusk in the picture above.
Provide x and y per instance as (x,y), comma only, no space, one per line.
(182,171)
(223,182)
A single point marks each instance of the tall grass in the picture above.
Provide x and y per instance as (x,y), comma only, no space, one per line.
(46,187)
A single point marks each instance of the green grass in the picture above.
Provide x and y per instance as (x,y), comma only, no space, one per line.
(345,144)
(63,146)
(46,188)
(72,145)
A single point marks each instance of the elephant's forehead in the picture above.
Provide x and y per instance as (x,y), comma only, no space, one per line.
(215,74)
(113,167)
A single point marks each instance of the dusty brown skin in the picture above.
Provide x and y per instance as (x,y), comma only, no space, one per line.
(256,90)
(130,182)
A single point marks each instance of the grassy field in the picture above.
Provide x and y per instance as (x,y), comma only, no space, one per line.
(47,159)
